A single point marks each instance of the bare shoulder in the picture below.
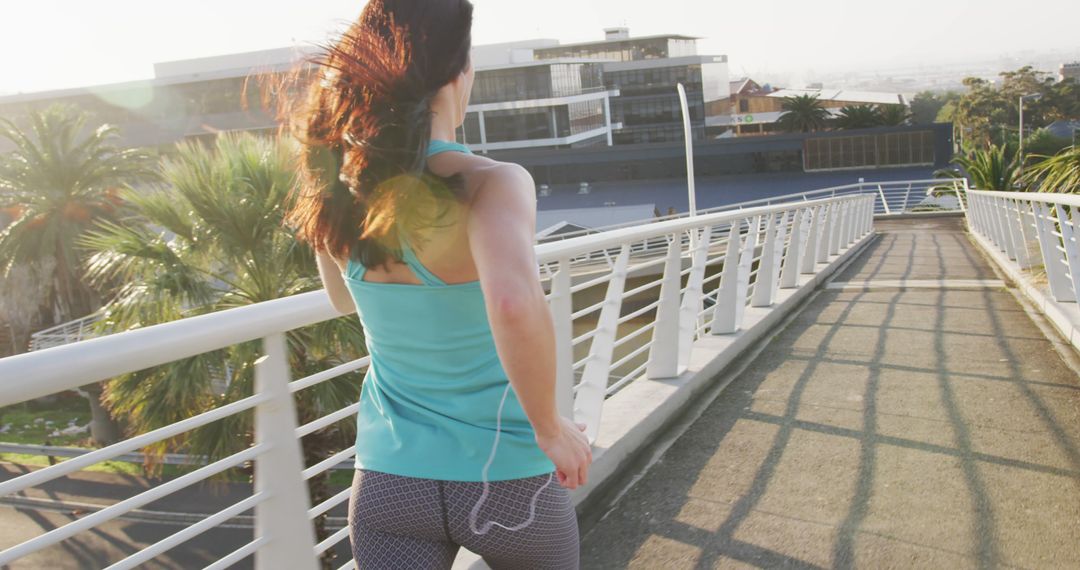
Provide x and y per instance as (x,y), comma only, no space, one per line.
(501,181)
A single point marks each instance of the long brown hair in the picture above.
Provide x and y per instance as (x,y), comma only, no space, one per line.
(365,127)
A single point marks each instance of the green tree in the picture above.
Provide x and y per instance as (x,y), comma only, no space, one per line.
(995,168)
(894,115)
(61,178)
(803,113)
(1041,144)
(858,117)
(212,238)
(927,107)
(988,114)
(1057,173)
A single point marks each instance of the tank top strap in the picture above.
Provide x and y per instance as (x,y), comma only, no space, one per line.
(354,269)
(422,273)
(438,146)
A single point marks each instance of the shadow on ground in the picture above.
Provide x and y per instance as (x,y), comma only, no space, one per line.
(881,428)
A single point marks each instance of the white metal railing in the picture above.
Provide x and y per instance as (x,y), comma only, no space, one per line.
(892,198)
(65,333)
(623,312)
(1034,230)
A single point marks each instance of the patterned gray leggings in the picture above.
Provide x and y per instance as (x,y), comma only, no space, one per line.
(409,522)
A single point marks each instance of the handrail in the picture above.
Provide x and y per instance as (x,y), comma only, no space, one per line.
(1045,197)
(1029,227)
(556,250)
(43,372)
(857,187)
(40,373)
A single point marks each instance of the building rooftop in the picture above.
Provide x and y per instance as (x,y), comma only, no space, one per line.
(874,97)
(541,63)
(627,39)
(186,71)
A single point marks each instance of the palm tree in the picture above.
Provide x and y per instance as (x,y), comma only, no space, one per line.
(57,182)
(210,239)
(858,117)
(803,113)
(1057,173)
(894,115)
(994,168)
(61,179)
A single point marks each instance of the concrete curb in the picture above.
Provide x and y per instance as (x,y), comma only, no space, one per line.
(644,409)
(917,215)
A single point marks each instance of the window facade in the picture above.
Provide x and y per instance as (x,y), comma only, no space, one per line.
(536,82)
(622,50)
(869,151)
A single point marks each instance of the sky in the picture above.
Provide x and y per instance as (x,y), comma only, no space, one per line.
(52,44)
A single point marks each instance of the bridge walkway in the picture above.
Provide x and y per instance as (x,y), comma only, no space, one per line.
(911,415)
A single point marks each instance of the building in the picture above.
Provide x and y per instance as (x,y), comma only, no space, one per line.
(644,70)
(754,110)
(187,99)
(1069,71)
(520,102)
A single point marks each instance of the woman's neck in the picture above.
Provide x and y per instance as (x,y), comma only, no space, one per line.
(442,132)
(442,120)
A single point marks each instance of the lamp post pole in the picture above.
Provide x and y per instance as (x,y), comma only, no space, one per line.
(689,149)
(1020,152)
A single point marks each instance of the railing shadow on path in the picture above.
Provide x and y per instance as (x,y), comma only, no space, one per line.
(792,465)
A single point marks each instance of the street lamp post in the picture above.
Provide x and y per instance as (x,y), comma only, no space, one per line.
(692,195)
(1020,152)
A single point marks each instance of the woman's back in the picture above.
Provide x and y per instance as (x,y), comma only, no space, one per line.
(432,393)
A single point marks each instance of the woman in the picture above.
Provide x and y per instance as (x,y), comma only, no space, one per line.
(433,246)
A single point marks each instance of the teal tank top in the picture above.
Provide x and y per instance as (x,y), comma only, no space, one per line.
(430,397)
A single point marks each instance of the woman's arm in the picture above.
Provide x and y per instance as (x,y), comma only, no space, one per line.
(330,273)
(501,229)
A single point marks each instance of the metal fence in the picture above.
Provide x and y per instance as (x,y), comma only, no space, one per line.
(627,305)
(891,198)
(1037,231)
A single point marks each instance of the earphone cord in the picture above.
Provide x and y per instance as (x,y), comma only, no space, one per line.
(484,476)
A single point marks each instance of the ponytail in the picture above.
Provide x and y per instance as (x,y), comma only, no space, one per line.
(366,126)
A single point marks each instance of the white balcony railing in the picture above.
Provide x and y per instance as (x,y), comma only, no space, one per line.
(65,333)
(891,198)
(1035,231)
(628,305)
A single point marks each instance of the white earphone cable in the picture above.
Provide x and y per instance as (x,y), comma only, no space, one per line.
(484,477)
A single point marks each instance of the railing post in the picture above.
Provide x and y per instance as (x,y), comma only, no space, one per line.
(1053,260)
(1020,238)
(562,307)
(834,228)
(813,245)
(848,224)
(691,300)
(664,350)
(282,517)
(1007,237)
(796,249)
(731,295)
(884,203)
(1068,242)
(973,219)
(907,198)
(768,273)
(589,401)
(868,216)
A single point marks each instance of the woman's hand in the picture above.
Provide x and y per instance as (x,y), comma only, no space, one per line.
(570,451)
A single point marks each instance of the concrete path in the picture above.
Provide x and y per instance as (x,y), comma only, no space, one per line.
(888,426)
